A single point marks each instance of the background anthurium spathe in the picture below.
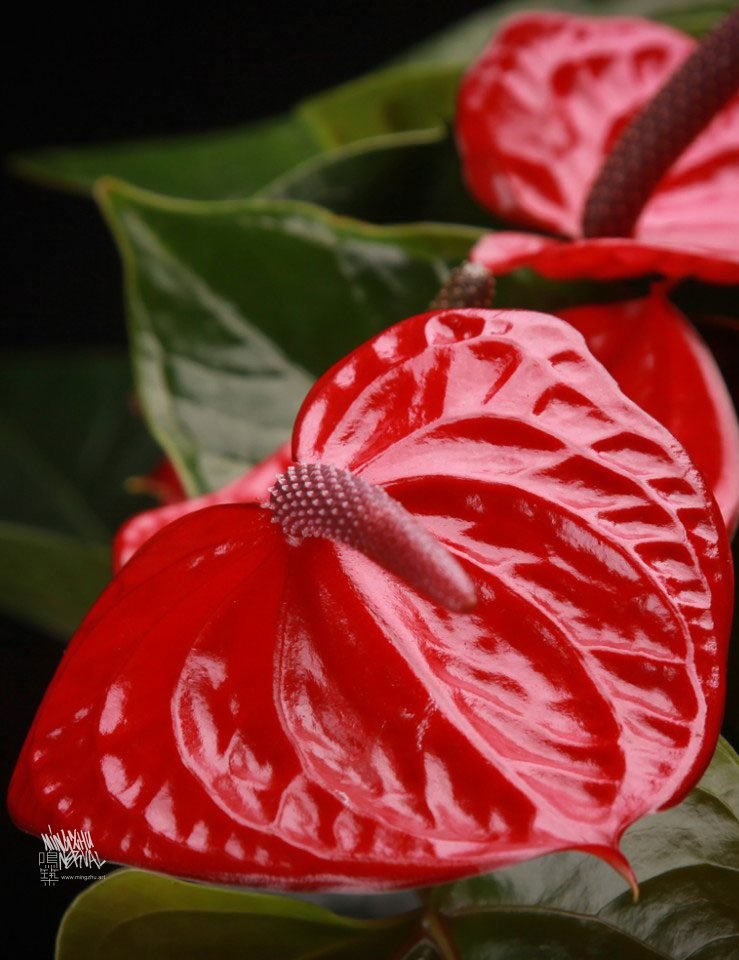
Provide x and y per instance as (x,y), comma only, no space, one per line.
(311,721)
(538,114)
(660,361)
(252,487)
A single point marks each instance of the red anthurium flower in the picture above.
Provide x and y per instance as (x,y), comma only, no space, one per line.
(539,114)
(482,616)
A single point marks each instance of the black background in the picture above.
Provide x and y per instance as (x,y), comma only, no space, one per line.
(74,78)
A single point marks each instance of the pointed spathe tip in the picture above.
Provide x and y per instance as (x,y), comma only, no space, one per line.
(615,859)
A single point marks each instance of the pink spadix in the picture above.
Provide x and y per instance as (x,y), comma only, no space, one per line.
(320,500)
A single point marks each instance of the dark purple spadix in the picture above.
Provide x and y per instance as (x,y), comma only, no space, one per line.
(320,500)
(654,139)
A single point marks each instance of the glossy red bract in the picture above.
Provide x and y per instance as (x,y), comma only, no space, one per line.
(541,110)
(243,710)
(660,362)
(538,114)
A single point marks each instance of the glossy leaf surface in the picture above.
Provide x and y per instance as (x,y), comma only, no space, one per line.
(394,178)
(540,111)
(565,905)
(68,443)
(208,284)
(312,722)
(161,918)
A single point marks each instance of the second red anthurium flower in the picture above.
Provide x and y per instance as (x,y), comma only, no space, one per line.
(561,121)
(539,115)
(482,616)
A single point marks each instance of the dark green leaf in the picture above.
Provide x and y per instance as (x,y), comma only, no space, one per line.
(396,178)
(522,933)
(207,282)
(401,99)
(572,906)
(68,441)
(217,165)
(132,913)
(50,579)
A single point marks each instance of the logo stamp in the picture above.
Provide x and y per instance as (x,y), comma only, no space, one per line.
(65,854)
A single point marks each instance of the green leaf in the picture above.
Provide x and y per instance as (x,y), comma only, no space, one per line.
(49,579)
(216,165)
(396,100)
(395,178)
(570,905)
(154,918)
(68,441)
(230,303)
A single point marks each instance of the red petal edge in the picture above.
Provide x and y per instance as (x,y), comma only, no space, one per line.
(241,710)
(659,361)
(606,259)
(656,356)
(252,487)
(163,483)
(541,109)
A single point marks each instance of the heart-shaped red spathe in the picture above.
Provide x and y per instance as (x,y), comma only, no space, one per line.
(541,110)
(241,709)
